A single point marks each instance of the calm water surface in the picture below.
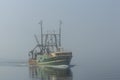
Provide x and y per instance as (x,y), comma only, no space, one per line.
(22,71)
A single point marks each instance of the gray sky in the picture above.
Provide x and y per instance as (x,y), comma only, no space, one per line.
(91,28)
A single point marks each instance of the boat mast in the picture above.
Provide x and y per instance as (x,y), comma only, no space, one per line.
(41,33)
(60,33)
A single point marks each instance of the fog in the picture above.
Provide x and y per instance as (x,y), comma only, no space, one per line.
(90,29)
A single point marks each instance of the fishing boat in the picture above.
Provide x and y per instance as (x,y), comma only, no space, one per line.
(49,51)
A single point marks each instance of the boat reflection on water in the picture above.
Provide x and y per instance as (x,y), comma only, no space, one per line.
(49,73)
